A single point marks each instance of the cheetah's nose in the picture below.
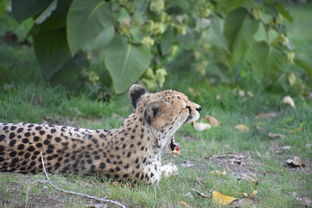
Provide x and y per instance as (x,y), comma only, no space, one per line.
(198,108)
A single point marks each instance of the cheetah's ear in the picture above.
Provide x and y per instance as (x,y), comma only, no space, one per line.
(135,92)
(153,111)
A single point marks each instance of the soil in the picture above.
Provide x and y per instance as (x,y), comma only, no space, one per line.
(238,164)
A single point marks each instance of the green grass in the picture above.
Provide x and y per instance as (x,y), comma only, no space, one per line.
(28,98)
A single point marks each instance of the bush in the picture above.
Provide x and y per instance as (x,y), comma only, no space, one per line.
(237,41)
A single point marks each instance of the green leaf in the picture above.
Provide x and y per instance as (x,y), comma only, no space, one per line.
(85,21)
(70,71)
(303,64)
(167,41)
(282,10)
(267,62)
(227,6)
(24,9)
(125,62)
(55,21)
(103,39)
(46,13)
(183,4)
(51,51)
(239,29)
(216,27)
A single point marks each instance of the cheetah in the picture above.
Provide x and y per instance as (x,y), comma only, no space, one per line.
(131,152)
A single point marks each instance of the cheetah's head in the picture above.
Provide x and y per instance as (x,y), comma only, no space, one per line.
(166,110)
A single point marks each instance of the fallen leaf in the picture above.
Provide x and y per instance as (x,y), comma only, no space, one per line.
(286,147)
(288,100)
(193,92)
(184,204)
(242,93)
(252,180)
(296,130)
(250,94)
(189,195)
(266,115)
(252,195)
(244,202)
(242,128)
(187,164)
(220,198)
(295,162)
(201,126)
(212,120)
(275,136)
(218,173)
(308,145)
(201,194)
(199,180)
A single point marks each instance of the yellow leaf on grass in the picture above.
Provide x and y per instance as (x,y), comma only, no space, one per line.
(296,130)
(184,204)
(218,173)
(242,128)
(220,198)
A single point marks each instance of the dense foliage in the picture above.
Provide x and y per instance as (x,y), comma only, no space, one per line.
(232,41)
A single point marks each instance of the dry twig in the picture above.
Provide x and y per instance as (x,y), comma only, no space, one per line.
(77,193)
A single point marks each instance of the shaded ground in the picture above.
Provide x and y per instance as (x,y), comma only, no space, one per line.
(240,164)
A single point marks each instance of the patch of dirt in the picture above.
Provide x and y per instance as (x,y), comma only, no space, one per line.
(238,164)
(281,153)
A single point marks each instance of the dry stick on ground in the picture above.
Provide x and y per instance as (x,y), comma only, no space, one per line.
(77,193)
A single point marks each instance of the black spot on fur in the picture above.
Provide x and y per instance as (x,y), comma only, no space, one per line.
(30,148)
(39,145)
(102,165)
(25,140)
(2,137)
(12,142)
(12,135)
(20,146)
(38,128)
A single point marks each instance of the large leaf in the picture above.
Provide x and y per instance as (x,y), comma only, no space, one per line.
(304,65)
(220,39)
(51,51)
(267,62)
(239,29)
(85,21)
(46,13)
(70,71)
(24,9)
(125,62)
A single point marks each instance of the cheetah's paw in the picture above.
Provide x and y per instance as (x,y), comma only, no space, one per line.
(169,170)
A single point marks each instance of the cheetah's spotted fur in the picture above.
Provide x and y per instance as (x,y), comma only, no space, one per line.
(131,152)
